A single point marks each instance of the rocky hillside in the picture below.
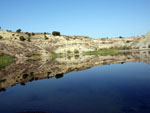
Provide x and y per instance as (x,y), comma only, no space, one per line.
(43,44)
(142,43)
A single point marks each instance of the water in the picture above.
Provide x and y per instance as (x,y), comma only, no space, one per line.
(88,87)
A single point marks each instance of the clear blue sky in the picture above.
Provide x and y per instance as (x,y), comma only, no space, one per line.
(94,18)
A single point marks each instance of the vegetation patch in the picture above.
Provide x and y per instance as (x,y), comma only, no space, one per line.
(5,60)
(54,55)
(33,57)
(56,33)
(46,38)
(2,81)
(33,34)
(29,39)
(58,76)
(1,37)
(22,38)
(110,51)
(103,52)
(18,30)
(69,52)
(128,41)
(25,76)
(121,48)
(76,51)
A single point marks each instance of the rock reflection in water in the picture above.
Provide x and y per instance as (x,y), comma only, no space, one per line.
(20,73)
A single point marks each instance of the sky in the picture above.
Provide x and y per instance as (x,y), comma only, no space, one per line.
(94,18)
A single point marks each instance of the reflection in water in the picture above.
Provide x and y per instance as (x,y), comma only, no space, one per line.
(120,88)
(5,60)
(58,76)
(29,71)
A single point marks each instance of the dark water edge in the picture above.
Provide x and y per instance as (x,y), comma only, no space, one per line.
(115,88)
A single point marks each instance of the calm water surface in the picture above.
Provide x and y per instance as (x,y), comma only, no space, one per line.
(115,88)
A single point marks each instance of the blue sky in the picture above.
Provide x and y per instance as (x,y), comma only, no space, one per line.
(94,18)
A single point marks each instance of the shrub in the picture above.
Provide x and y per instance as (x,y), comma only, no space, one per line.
(29,34)
(45,33)
(68,51)
(25,76)
(58,76)
(31,73)
(22,38)
(33,34)
(48,73)
(2,89)
(120,37)
(56,33)
(46,37)
(13,34)
(76,56)
(76,51)
(18,30)
(8,30)
(128,41)
(29,39)
(23,84)
(1,37)
(3,80)
(148,46)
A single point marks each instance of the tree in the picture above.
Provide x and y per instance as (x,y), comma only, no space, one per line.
(56,33)
(18,30)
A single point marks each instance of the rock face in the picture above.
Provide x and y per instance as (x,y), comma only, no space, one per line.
(44,44)
(21,72)
(142,43)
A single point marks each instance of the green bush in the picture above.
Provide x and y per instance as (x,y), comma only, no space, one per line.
(29,39)
(2,81)
(120,37)
(18,30)
(128,41)
(58,76)
(46,37)
(148,46)
(25,76)
(33,34)
(26,32)
(1,37)
(22,38)
(29,34)
(56,33)
(76,51)
(8,30)
(68,51)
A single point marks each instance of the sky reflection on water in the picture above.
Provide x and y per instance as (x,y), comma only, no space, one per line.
(115,88)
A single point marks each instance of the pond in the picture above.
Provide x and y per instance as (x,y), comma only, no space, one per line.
(87,84)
